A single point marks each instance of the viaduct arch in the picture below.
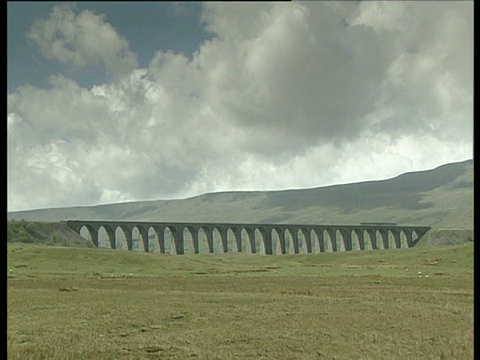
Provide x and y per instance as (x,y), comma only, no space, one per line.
(335,233)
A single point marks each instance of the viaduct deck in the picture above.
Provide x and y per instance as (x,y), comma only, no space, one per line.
(376,232)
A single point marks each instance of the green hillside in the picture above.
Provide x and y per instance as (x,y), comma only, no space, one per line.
(441,198)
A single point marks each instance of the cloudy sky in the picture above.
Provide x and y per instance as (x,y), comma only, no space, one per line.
(112,102)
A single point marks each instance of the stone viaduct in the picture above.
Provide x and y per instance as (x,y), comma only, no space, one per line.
(376,232)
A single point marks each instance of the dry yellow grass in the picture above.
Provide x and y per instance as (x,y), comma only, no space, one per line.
(322,309)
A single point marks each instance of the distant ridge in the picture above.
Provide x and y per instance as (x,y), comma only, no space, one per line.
(441,198)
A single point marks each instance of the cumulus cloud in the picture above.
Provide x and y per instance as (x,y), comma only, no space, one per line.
(83,39)
(284,95)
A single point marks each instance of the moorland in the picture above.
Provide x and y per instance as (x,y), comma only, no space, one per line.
(88,303)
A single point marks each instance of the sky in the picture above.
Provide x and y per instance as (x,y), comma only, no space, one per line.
(112,102)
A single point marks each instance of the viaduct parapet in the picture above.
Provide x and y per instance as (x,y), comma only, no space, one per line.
(403,236)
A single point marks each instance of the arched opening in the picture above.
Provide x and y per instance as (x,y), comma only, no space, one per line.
(238,245)
(169,240)
(103,239)
(355,240)
(140,239)
(391,239)
(203,246)
(137,243)
(217,241)
(328,241)
(416,235)
(247,238)
(259,245)
(314,242)
(289,245)
(277,239)
(403,240)
(302,242)
(394,239)
(86,233)
(188,238)
(340,240)
(233,240)
(120,239)
(153,240)
(379,239)
(367,240)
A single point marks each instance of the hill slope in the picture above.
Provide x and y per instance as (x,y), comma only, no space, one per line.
(51,233)
(441,198)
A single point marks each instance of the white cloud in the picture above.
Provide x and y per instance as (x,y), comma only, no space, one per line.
(384,15)
(284,95)
(81,40)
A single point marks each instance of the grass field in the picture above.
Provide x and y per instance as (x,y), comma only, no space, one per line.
(86,303)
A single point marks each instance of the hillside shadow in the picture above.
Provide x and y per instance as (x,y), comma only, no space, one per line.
(403,192)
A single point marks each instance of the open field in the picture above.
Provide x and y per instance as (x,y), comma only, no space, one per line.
(86,303)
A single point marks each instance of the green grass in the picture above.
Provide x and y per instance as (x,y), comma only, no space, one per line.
(26,259)
(82,303)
